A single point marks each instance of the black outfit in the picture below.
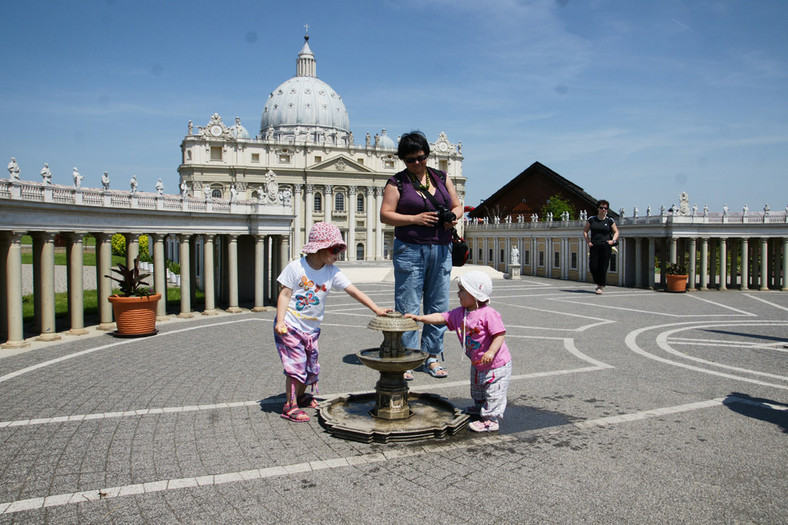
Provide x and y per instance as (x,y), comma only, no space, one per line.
(600,232)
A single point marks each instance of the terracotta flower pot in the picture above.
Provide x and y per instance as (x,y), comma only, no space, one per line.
(677,283)
(135,316)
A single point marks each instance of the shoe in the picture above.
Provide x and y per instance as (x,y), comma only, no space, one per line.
(408,375)
(484,426)
(293,413)
(306,400)
(433,371)
(598,290)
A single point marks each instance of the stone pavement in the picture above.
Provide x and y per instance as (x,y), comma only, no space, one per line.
(633,406)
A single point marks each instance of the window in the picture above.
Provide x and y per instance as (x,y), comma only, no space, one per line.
(318,158)
(284,158)
(480,254)
(360,161)
(613,263)
(339,202)
(255,157)
(557,260)
(360,252)
(360,203)
(216,153)
(388,163)
(574,260)
(189,155)
(216,194)
(541,258)
(527,257)
(443,165)
(318,202)
(503,256)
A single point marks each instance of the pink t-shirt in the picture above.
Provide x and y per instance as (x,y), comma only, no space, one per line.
(481,325)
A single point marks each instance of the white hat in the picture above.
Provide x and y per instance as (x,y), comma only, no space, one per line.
(478,284)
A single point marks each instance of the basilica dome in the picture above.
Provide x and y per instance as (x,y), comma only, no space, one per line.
(304,103)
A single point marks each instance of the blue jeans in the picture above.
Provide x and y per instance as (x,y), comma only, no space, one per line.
(422,272)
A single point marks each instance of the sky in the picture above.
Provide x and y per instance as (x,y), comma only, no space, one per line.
(633,101)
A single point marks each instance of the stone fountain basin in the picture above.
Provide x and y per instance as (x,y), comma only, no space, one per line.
(410,360)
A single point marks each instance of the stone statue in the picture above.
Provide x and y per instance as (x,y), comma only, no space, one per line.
(459,147)
(350,138)
(271,186)
(191,128)
(46,174)
(206,190)
(184,189)
(233,194)
(725,209)
(160,187)
(368,139)
(648,210)
(515,256)
(77,177)
(287,196)
(269,133)
(13,169)
(684,208)
(105,181)
(133,184)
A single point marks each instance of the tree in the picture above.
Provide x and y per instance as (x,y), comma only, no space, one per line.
(557,205)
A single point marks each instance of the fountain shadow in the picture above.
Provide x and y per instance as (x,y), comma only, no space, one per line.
(351,359)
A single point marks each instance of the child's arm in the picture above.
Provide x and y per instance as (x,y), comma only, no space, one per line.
(495,345)
(281,309)
(364,299)
(436,318)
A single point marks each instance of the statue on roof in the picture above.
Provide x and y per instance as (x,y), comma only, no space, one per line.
(13,169)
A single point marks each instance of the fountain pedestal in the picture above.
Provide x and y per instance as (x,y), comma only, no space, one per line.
(392,413)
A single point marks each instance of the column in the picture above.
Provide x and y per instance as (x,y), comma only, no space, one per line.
(378,225)
(723,264)
(369,248)
(652,253)
(704,264)
(13,287)
(351,219)
(745,264)
(693,257)
(159,273)
(764,264)
(275,269)
(183,255)
(714,245)
(284,254)
(298,239)
(638,262)
(672,255)
(232,263)
(132,248)
(784,286)
(48,287)
(328,202)
(309,206)
(104,283)
(259,273)
(76,308)
(209,283)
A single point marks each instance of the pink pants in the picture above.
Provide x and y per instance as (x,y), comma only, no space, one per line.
(299,352)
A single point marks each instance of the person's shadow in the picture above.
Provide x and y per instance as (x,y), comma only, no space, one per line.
(759,408)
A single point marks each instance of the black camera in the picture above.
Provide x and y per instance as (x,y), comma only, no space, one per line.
(445,216)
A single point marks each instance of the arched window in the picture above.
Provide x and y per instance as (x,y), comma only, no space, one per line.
(360,203)
(318,202)
(216,194)
(339,202)
(360,252)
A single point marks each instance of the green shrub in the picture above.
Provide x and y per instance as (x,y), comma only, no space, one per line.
(119,247)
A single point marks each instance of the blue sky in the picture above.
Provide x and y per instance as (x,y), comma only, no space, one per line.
(634,101)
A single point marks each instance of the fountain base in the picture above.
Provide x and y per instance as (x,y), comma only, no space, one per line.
(430,416)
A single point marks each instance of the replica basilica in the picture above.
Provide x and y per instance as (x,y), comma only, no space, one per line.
(306,156)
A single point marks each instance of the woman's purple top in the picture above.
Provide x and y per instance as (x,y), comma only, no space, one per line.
(411,202)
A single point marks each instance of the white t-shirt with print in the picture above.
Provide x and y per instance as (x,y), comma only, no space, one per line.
(310,290)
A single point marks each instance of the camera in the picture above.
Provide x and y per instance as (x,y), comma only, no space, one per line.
(445,216)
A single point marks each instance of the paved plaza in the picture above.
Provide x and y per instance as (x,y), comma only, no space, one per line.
(631,407)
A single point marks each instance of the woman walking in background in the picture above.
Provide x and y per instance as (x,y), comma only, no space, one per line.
(601,234)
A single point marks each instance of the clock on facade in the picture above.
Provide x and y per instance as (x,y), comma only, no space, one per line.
(443,146)
(216,130)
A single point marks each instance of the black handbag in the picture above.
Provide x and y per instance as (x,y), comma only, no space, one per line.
(459,249)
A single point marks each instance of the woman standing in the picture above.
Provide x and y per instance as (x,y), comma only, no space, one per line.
(601,233)
(422,205)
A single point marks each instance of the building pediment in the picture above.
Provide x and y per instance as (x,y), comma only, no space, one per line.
(341,164)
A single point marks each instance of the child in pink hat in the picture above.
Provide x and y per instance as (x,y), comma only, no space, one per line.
(305,284)
(482,335)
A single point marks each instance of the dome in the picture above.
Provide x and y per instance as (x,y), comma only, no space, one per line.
(239,132)
(386,141)
(304,102)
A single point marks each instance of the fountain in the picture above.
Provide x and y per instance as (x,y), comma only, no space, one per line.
(392,413)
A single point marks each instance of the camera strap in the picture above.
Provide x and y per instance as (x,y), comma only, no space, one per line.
(427,194)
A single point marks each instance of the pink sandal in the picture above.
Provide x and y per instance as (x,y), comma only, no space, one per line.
(306,400)
(293,413)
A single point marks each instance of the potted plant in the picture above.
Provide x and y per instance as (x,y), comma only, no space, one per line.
(676,277)
(134,307)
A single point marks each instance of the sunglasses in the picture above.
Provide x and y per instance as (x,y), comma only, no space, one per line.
(603,207)
(413,160)
(336,250)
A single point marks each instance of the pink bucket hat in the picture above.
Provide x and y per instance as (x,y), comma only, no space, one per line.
(323,235)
